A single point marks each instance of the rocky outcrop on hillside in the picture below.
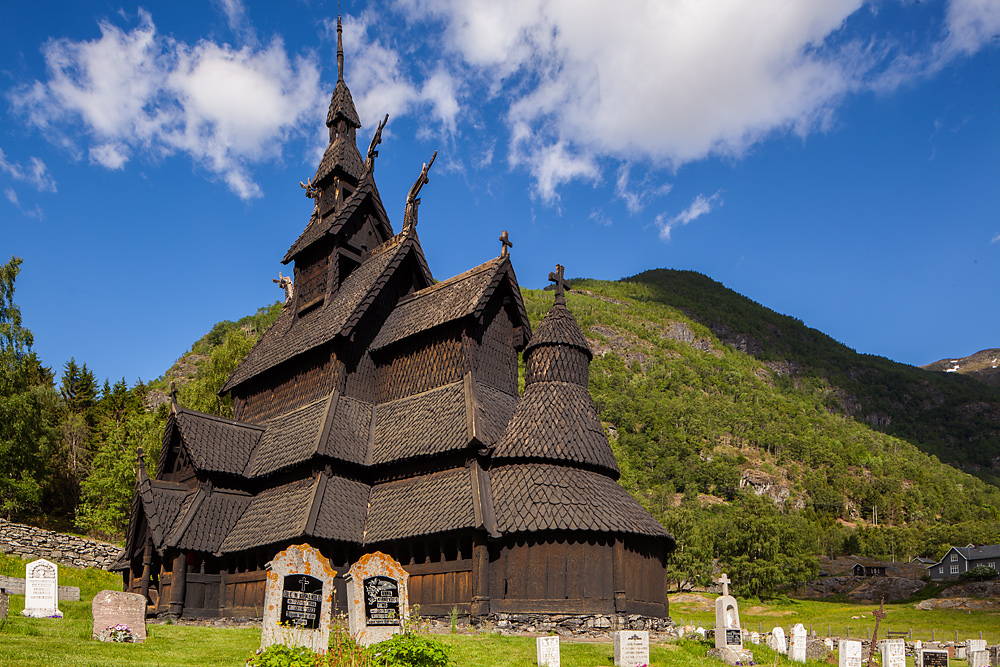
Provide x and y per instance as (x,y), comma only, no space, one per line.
(983,365)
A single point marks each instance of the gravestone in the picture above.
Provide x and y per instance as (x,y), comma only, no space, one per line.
(797,645)
(931,658)
(727,618)
(110,608)
(298,599)
(755,638)
(41,582)
(631,648)
(994,655)
(975,645)
(960,653)
(850,653)
(547,651)
(893,653)
(776,640)
(377,598)
(4,604)
(15,586)
(979,659)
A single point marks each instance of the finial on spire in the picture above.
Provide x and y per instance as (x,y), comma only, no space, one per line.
(560,284)
(173,396)
(340,50)
(507,245)
(376,140)
(140,457)
(285,283)
(412,201)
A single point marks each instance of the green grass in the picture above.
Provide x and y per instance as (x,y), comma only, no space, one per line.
(838,616)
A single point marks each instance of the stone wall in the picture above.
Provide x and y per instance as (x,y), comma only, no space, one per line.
(33,543)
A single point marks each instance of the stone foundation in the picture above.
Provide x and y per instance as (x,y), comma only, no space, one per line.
(34,543)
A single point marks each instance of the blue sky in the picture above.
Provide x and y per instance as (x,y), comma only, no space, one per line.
(836,161)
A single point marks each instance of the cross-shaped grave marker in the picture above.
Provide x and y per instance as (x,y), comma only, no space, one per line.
(724,580)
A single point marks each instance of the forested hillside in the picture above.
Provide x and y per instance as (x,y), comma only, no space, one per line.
(757,441)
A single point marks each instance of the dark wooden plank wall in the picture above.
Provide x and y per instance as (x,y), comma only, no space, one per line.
(292,388)
(310,276)
(552,570)
(644,574)
(419,364)
(437,587)
(242,593)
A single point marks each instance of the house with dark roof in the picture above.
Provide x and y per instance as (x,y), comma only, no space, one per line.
(960,560)
(381,411)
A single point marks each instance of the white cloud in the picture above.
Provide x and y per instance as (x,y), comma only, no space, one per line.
(138,91)
(667,83)
(239,22)
(36,173)
(636,197)
(995,239)
(12,196)
(699,207)
(111,156)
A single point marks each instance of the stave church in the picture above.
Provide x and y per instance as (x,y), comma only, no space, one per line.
(381,412)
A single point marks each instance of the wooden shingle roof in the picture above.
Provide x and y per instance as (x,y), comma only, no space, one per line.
(449,300)
(533,497)
(350,430)
(161,503)
(330,225)
(557,421)
(424,424)
(288,439)
(340,514)
(423,505)
(206,519)
(288,337)
(274,515)
(559,327)
(215,444)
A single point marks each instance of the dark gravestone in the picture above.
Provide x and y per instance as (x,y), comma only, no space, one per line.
(933,658)
(301,601)
(381,601)
(734,637)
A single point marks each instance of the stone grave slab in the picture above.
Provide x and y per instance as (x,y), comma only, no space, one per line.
(111,608)
(547,651)
(979,659)
(4,604)
(41,584)
(975,645)
(377,598)
(298,599)
(850,653)
(797,643)
(776,640)
(893,653)
(931,658)
(631,648)
(994,652)
(732,655)
(961,653)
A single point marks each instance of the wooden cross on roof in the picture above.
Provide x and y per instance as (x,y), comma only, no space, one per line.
(724,580)
(173,396)
(507,245)
(560,283)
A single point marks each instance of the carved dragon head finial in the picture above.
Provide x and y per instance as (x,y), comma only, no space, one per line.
(412,200)
(376,140)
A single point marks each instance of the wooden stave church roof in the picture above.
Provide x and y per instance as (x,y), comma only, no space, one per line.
(351,507)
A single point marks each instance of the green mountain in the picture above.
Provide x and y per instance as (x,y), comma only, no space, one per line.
(731,421)
(983,366)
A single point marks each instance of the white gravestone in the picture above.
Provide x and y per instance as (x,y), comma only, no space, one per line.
(960,652)
(975,645)
(727,618)
(41,583)
(931,658)
(631,648)
(979,658)
(377,598)
(547,651)
(298,599)
(850,653)
(893,653)
(776,640)
(754,638)
(797,645)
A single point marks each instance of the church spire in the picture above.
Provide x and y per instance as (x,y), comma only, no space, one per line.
(340,50)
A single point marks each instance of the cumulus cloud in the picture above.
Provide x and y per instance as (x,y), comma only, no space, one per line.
(699,207)
(136,90)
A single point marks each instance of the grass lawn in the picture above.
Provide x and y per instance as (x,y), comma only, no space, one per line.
(43,642)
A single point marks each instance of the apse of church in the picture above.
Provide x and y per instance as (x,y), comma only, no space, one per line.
(381,412)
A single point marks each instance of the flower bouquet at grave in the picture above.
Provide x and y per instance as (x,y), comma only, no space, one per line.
(119,633)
